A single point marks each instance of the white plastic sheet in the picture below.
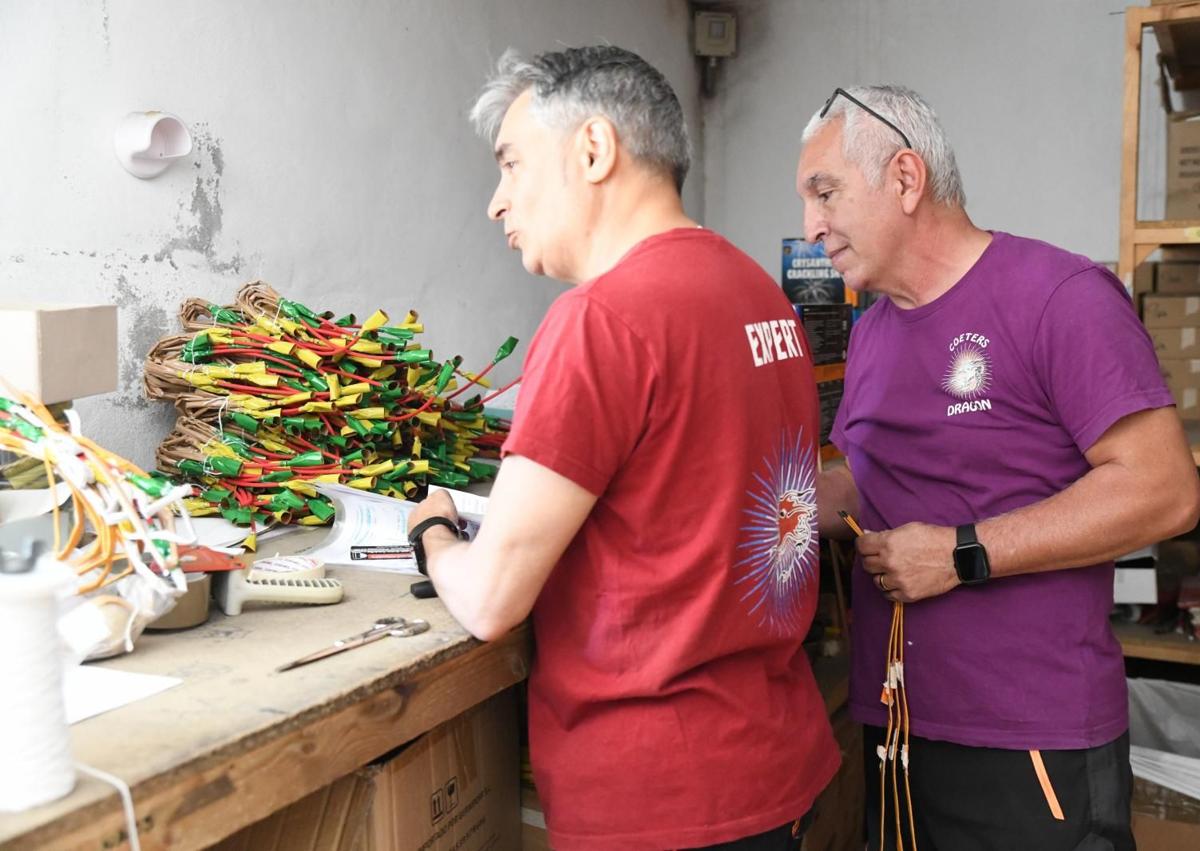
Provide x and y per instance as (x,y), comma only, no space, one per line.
(1164,734)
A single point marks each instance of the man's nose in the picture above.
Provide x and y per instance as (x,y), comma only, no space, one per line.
(498,206)
(815,226)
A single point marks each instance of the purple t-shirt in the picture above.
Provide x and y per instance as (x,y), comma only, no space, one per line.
(978,403)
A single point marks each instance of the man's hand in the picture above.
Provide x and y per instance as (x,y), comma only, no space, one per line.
(911,563)
(437,504)
(491,583)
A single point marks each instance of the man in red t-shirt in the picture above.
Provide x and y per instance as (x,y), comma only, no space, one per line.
(655,509)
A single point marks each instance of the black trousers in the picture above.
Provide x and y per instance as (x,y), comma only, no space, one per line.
(786,837)
(989,799)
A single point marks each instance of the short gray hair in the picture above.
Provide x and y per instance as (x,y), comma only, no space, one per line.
(569,86)
(870,144)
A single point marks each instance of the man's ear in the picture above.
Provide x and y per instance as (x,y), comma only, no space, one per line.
(597,141)
(909,177)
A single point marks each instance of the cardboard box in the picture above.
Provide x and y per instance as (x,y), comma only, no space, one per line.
(1142,283)
(1177,277)
(1171,311)
(1182,253)
(1183,379)
(1176,343)
(1163,819)
(1183,166)
(456,788)
(59,352)
(1181,371)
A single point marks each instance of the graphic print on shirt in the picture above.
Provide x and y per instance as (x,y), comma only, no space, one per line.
(969,374)
(779,536)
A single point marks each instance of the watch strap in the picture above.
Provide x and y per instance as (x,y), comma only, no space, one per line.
(965,534)
(416,532)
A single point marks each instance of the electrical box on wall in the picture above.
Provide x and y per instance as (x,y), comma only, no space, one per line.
(715,34)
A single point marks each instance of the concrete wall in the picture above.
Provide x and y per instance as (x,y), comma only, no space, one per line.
(1028,91)
(332,159)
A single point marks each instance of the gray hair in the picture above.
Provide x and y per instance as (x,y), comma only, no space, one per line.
(572,85)
(870,144)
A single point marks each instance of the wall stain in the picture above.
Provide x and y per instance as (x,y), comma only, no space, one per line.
(144,323)
(200,233)
(104,26)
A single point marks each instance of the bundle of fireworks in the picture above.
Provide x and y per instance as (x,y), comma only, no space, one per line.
(274,398)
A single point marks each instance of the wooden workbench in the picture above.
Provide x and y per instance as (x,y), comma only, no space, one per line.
(237,741)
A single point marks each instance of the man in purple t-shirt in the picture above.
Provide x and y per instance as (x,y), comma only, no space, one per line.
(1007,435)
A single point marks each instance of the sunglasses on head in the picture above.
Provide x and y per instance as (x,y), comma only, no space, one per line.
(862,106)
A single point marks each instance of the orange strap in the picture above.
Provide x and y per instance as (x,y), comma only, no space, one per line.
(1047,789)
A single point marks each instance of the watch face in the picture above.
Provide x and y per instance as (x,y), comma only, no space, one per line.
(971,563)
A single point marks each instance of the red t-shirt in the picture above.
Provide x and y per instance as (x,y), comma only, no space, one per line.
(670,702)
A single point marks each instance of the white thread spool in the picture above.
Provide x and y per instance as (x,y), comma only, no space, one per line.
(35,749)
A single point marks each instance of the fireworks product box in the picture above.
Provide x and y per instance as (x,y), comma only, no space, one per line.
(827,327)
(829,396)
(807,276)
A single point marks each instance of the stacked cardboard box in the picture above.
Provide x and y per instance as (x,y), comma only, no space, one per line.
(1183,166)
(453,789)
(1174,324)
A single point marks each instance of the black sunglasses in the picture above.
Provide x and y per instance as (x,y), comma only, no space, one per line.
(862,105)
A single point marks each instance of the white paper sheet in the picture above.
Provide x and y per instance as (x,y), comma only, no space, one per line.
(371,531)
(89,690)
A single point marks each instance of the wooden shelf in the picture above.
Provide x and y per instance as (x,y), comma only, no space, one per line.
(1150,236)
(1141,642)
(1140,239)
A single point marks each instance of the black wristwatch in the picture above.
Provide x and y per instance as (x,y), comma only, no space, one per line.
(415,533)
(970,557)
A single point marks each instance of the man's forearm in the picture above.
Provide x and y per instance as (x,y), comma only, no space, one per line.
(836,492)
(465,586)
(1107,513)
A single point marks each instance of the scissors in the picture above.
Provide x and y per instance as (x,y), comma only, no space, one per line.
(382,628)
